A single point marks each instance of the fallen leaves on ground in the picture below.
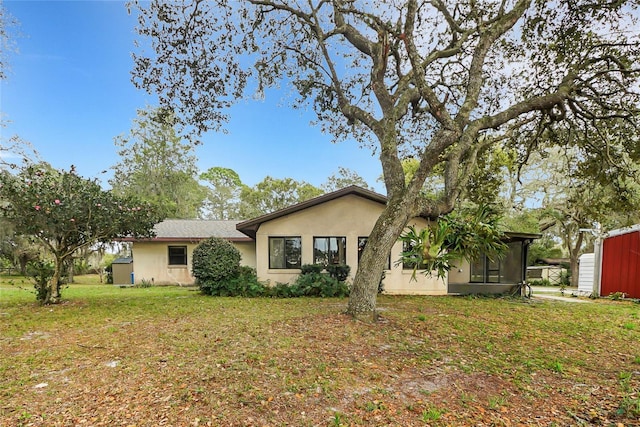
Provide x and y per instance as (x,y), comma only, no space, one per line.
(190,360)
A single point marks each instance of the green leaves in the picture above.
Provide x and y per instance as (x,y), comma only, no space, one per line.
(66,212)
(215,260)
(158,166)
(460,235)
(272,194)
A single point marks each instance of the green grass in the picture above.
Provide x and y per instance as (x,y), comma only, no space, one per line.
(145,356)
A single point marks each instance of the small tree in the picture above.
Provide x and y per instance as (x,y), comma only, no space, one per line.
(66,213)
(214,260)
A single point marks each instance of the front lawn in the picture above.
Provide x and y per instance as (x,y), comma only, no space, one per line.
(170,356)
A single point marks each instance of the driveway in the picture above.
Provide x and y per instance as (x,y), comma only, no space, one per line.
(550,292)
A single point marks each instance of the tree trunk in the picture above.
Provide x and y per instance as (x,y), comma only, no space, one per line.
(54,294)
(388,227)
(71,270)
(22,260)
(574,267)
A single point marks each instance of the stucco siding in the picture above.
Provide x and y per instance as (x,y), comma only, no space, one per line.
(350,217)
(248,252)
(460,273)
(151,262)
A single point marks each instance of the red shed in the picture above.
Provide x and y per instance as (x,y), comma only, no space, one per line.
(621,262)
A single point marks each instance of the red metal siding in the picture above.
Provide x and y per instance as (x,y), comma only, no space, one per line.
(621,265)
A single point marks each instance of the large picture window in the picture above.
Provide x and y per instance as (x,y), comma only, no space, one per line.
(285,252)
(177,255)
(362,242)
(329,250)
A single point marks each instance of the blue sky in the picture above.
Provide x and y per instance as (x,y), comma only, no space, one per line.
(69,94)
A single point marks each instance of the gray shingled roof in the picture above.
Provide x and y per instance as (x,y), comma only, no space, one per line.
(193,229)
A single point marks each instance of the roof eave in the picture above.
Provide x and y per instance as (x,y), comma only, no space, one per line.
(514,235)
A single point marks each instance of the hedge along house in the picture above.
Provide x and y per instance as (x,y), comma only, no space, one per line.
(166,258)
(330,229)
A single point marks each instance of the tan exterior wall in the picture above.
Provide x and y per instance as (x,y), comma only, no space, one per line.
(461,273)
(351,217)
(151,262)
(248,252)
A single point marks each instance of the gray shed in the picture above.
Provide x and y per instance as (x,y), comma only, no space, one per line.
(122,269)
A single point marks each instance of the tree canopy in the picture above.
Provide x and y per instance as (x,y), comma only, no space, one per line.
(8,25)
(431,80)
(158,166)
(272,194)
(344,178)
(66,212)
(223,198)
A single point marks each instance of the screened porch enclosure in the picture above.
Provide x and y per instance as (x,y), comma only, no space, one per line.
(493,275)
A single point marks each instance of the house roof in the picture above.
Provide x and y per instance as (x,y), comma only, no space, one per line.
(193,230)
(516,236)
(251,226)
(621,231)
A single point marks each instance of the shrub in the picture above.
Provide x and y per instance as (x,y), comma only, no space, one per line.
(244,284)
(540,282)
(340,272)
(311,268)
(283,290)
(109,271)
(80,266)
(144,283)
(214,260)
(312,283)
(565,278)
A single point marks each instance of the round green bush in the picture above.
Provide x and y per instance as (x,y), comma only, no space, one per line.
(214,260)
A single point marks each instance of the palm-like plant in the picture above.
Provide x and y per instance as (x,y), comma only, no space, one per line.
(459,235)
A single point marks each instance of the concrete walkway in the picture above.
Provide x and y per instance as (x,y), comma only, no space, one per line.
(544,292)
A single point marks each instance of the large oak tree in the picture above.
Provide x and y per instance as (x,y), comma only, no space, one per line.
(433,80)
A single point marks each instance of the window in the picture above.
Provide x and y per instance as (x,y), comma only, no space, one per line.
(285,252)
(362,242)
(329,250)
(177,255)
